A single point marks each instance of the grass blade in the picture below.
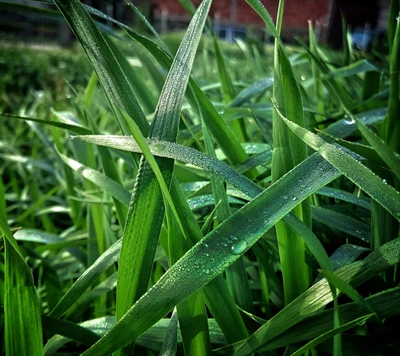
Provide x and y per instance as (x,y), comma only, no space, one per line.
(22,323)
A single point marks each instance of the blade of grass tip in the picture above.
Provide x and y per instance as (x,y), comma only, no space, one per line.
(170,344)
(22,323)
(213,254)
(147,24)
(141,233)
(109,72)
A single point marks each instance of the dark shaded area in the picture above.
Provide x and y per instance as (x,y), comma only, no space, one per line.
(356,15)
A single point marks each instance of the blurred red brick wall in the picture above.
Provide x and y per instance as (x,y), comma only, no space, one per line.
(296,14)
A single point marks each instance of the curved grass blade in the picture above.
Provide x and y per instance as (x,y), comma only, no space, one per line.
(362,202)
(352,69)
(257,88)
(352,168)
(69,330)
(179,152)
(217,126)
(219,249)
(109,185)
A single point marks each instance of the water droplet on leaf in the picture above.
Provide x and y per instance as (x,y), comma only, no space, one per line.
(239,247)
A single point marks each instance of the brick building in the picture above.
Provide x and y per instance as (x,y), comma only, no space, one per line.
(324,14)
(239,13)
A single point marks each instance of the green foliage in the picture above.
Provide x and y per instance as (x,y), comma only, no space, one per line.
(190,196)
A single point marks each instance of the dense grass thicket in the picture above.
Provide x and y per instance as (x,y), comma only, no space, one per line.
(189,197)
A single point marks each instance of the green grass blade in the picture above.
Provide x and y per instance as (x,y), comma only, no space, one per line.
(288,152)
(328,335)
(342,223)
(170,344)
(352,168)
(22,324)
(109,72)
(79,130)
(102,181)
(345,196)
(388,156)
(352,69)
(264,14)
(141,233)
(106,260)
(216,252)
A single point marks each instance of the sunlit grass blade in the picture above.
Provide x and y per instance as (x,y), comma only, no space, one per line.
(22,323)
(217,126)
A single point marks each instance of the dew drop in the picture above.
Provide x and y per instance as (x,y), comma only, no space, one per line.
(239,247)
(285,197)
(205,245)
(348,121)
(294,198)
(206,271)
(207,254)
(159,147)
(303,77)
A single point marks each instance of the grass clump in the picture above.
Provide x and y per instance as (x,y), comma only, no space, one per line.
(172,205)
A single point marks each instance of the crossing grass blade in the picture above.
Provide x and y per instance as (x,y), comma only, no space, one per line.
(109,72)
(219,249)
(141,234)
